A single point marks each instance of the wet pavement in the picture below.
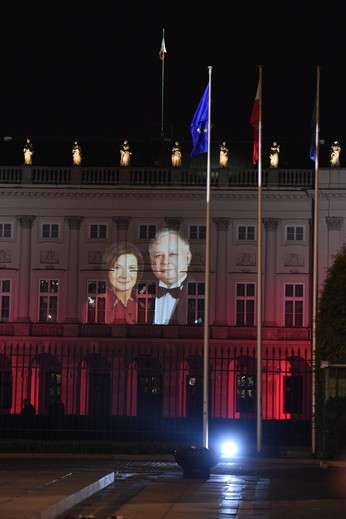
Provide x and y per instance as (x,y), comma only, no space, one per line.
(154,487)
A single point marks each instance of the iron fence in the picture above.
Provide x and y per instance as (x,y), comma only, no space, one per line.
(135,390)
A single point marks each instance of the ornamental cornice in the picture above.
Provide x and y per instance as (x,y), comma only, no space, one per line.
(156,194)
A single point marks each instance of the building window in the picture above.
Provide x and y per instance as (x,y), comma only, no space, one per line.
(195,303)
(5,293)
(98,231)
(5,389)
(294,297)
(246,232)
(293,388)
(146,302)
(5,230)
(48,298)
(50,230)
(96,301)
(197,232)
(245,304)
(53,388)
(246,401)
(147,232)
(295,233)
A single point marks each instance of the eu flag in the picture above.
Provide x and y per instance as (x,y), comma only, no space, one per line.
(199,126)
(313,135)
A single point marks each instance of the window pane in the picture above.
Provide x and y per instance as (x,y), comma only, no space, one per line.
(240,289)
(290,233)
(289,313)
(202,232)
(53,305)
(240,318)
(299,233)
(193,232)
(54,285)
(7,230)
(44,285)
(152,231)
(241,233)
(299,290)
(142,231)
(101,287)
(6,285)
(250,313)
(298,313)
(91,287)
(43,308)
(45,230)
(93,231)
(251,233)
(250,289)
(191,289)
(289,290)
(5,308)
(55,231)
(201,288)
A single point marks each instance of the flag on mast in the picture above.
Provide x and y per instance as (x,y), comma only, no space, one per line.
(163,50)
(254,121)
(313,134)
(199,126)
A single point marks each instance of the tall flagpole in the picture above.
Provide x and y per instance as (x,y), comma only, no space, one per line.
(206,294)
(315,264)
(259,272)
(162,57)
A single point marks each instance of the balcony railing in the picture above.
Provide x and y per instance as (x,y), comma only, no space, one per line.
(223,178)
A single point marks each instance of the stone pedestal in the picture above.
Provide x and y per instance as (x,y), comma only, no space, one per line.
(196,461)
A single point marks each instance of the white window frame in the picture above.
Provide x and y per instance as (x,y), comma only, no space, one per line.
(50,295)
(197,232)
(197,299)
(295,300)
(249,230)
(4,293)
(295,232)
(146,292)
(100,296)
(6,230)
(51,228)
(246,298)
(97,229)
(146,231)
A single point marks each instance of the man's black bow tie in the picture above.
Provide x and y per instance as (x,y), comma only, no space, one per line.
(162,291)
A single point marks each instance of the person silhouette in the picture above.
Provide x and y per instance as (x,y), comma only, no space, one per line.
(28,409)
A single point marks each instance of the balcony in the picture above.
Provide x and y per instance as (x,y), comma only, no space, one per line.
(159,177)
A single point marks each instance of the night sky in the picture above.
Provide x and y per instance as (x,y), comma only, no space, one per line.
(90,70)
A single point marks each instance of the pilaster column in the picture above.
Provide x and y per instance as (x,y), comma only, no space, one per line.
(220,305)
(269,314)
(23,311)
(74,223)
(122,224)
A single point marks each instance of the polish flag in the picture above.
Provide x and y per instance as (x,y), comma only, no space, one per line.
(254,121)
